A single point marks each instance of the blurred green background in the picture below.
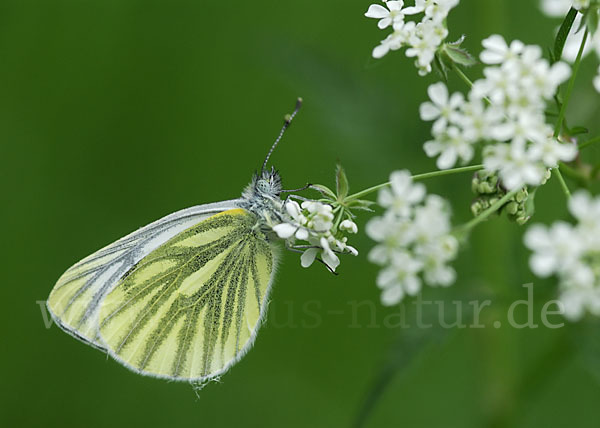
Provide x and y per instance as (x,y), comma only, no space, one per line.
(115,113)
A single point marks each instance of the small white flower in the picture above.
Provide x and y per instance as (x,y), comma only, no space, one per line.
(402,195)
(497,51)
(399,278)
(443,108)
(526,126)
(392,232)
(555,249)
(320,216)
(515,164)
(394,41)
(328,255)
(393,15)
(348,226)
(431,220)
(550,152)
(436,254)
(320,245)
(425,41)
(477,120)
(451,146)
(547,78)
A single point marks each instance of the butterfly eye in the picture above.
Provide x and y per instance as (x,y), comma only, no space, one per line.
(263,186)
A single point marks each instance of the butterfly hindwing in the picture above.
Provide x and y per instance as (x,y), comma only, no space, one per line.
(75,299)
(191,308)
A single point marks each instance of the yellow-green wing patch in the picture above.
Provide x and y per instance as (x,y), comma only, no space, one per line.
(191,308)
(75,299)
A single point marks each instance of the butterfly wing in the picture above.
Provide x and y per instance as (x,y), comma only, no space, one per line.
(191,308)
(75,299)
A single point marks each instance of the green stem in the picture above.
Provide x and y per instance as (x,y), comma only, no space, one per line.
(463,76)
(588,143)
(417,177)
(571,84)
(574,174)
(491,210)
(563,183)
(427,175)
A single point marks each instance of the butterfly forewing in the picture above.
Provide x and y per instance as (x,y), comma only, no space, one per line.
(76,297)
(191,308)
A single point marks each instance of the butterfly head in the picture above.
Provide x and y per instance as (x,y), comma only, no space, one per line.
(266,185)
(262,196)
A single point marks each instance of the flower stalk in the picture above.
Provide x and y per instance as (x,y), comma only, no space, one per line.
(570,85)
(467,227)
(417,177)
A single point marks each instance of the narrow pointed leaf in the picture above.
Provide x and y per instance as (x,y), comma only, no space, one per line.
(341,182)
(563,33)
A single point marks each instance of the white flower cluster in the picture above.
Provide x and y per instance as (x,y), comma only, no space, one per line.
(558,9)
(507,107)
(572,252)
(422,38)
(414,240)
(314,222)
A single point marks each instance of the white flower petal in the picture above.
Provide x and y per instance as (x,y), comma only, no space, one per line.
(308,257)
(447,158)
(285,230)
(381,50)
(392,296)
(395,5)
(384,23)
(438,92)
(542,265)
(429,111)
(302,234)
(377,11)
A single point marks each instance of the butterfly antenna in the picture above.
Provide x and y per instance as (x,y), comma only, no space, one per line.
(287,121)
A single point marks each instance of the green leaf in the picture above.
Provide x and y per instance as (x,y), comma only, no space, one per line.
(459,55)
(324,190)
(563,32)
(578,130)
(361,204)
(458,42)
(551,56)
(341,182)
(591,19)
